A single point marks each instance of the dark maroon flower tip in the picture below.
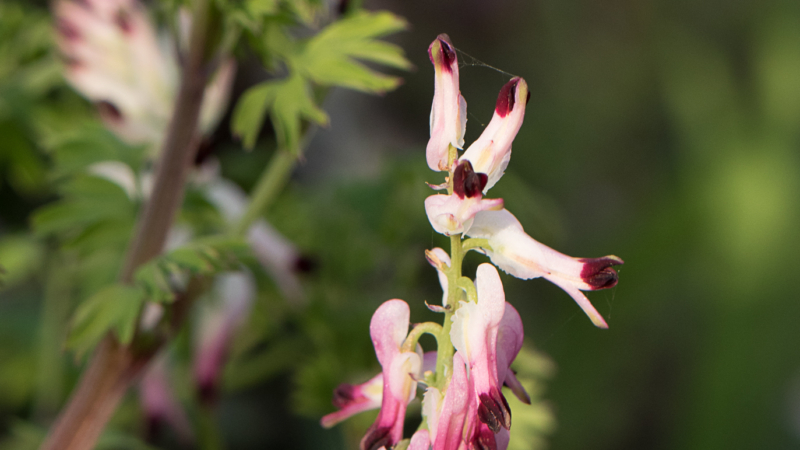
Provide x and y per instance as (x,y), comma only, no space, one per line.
(598,273)
(467,182)
(483,440)
(494,411)
(343,395)
(507,97)
(376,438)
(108,111)
(305,264)
(123,21)
(67,30)
(207,392)
(447,50)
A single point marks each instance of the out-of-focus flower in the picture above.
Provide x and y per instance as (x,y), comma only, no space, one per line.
(388,329)
(113,56)
(474,335)
(449,110)
(218,322)
(277,255)
(518,254)
(445,416)
(159,404)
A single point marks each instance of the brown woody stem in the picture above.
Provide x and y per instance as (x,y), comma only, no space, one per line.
(114,367)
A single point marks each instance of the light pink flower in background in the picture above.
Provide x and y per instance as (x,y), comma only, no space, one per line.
(114,57)
(449,110)
(518,254)
(217,325)
(474,335)
(159,403)
(388,329)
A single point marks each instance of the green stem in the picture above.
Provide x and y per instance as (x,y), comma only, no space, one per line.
(269,185)
(431,328)
(210,438)
(445,350)
(474,244)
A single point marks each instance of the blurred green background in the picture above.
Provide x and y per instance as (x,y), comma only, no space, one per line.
(664,132)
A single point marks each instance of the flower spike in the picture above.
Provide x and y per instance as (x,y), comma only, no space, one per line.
(449,110)
(491,153)
(518,254)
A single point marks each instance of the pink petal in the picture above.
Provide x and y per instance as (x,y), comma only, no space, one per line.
(420,441)
(439,259)
(388,329)
(454,409)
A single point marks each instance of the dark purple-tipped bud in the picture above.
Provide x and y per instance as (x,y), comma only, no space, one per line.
(68,30)
(377,438)
(446,50)
(108,111)
(123,21)
(466,182)
(343,395)
(493,410)
(598,273)
(506,98)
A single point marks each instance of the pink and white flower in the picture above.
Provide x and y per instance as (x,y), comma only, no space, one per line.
(449,110)
(388,329)
(114,57)
(474,335)
(516,253)
(491,152)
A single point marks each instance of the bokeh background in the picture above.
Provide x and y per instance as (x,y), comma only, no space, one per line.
(664,132)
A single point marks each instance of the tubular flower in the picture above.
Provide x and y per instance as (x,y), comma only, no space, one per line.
(474,334)
(518,254)
(114,58)
(449,110)
(353,399)
(453,214)
(159,403)
(217,326)
(388,329)
(491,153)
(446,416)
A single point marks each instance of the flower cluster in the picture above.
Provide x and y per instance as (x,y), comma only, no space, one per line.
(463,404)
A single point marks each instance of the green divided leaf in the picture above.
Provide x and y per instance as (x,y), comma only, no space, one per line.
(114,308)
(200,258)
(330,58)
(289,102)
